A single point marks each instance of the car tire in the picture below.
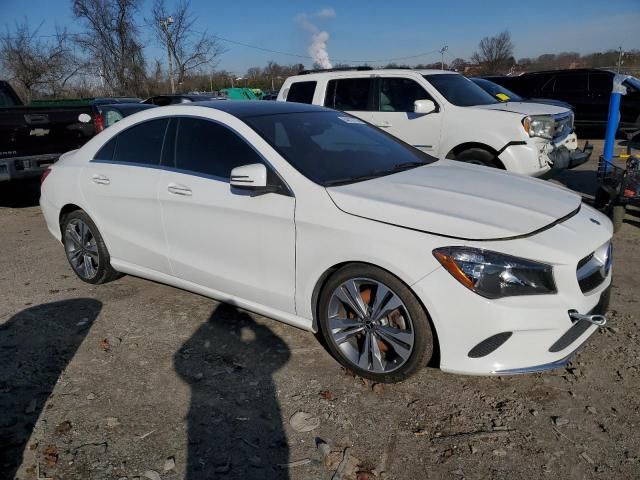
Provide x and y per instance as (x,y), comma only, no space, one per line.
(478,156)
(383,348)
(85,249)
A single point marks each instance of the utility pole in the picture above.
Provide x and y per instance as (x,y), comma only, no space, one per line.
(165,26)
(442,50)
(620,55)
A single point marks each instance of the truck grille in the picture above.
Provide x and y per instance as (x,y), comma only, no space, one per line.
(593,269)
(564,126)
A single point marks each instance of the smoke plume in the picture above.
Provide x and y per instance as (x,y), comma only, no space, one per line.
(319,38)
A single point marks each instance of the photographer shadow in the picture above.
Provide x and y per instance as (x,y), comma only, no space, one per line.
(234,423)
(36,345)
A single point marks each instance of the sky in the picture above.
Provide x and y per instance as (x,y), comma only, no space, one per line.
(353,31)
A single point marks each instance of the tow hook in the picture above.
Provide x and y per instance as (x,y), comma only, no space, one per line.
(599,320)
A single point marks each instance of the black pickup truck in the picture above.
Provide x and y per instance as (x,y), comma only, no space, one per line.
(33,137)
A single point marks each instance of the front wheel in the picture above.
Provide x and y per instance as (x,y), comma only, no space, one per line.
(478,156)
(86,252)
(373,324)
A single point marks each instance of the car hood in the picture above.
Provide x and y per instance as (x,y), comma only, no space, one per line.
(525,108)
(458,200)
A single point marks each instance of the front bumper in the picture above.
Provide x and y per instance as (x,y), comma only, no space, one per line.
(526,328)
(569,336)
(564,159)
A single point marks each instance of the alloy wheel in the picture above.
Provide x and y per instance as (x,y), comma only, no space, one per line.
(81,248)
(370,325)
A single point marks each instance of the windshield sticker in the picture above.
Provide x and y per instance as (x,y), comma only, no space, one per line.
(351,120)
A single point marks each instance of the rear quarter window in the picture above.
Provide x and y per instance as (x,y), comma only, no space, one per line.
(301,92)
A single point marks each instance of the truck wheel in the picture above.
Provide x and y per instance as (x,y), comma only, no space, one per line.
(86,252)
(478,156)
(373,324)
(617,216)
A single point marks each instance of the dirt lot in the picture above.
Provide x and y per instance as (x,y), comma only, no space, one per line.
(139,380)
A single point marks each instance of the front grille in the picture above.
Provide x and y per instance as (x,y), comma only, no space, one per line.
(563,127)
(593,269)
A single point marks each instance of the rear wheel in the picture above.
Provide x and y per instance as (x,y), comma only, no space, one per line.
(373,324)
(86,252)
(479,156)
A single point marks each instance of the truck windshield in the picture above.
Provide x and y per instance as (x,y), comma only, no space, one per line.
(332,148)
(460,90)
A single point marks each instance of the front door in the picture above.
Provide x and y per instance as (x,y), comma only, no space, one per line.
(218,237)
(396,116)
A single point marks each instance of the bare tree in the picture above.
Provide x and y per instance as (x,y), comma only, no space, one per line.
(35,64)
(187,49)
(111,40)
(495,54)
(458,64)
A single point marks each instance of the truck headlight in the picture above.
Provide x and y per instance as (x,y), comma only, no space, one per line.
(496,275)
(541,126)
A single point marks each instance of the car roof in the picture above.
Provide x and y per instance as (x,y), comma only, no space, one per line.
(360,73)
(254,108)
(572,70)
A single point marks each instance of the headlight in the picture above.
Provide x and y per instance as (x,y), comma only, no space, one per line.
(496,275)
(539,126)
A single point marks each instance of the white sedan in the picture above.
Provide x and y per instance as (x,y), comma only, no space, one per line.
(315,218)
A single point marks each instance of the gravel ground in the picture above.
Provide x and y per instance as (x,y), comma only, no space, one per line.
(138,380)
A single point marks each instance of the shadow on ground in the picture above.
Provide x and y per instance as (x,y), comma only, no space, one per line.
(36,345)
(234,423)
(20,194)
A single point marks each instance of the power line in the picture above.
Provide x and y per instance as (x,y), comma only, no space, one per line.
(333,59)
(280,52)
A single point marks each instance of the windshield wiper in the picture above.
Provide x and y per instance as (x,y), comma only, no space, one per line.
(347,180)
(397,168)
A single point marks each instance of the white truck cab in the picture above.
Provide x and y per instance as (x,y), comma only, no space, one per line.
(445,114)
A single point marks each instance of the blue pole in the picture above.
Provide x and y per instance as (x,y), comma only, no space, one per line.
(612,127)
(612,121)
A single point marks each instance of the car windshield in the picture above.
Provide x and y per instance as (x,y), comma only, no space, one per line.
(460,90)
(495,89)
(333,148)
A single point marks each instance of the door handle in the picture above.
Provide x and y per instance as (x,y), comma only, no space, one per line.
(383,124)
(100,179)
(177,189)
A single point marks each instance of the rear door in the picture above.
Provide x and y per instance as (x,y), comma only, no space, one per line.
(220,237)
(120,186)
(572,87)
(356,95)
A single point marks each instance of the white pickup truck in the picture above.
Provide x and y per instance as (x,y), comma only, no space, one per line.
(445,114)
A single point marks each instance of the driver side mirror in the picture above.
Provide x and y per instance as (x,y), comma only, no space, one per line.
(424,106)
(252,178)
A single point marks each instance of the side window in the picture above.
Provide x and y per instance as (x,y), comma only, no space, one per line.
(349,94)
(209,148)
(141,143)
(301,92)
(398,94)
(571,83)
(600,83)
(107,150)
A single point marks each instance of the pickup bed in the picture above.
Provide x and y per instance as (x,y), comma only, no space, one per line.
(33,137)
